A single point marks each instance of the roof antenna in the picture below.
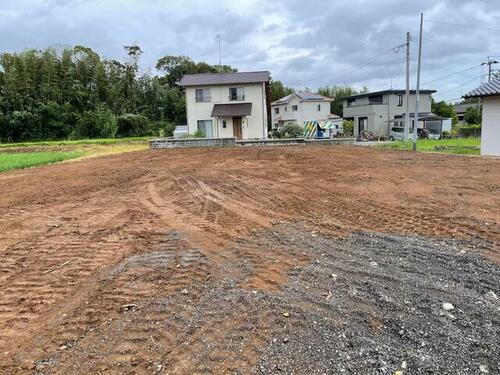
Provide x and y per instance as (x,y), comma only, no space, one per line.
(220,56)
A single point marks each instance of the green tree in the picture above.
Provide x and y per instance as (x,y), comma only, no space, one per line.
(338,93)
(279,90)
(472,116)
(444,109)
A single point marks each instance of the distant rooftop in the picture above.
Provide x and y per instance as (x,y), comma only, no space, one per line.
(303,95)
(486,89)
(224,78)
(383,92)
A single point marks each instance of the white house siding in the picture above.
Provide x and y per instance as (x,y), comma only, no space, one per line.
(490,129)
(306,111)
(379,114)
(253,126)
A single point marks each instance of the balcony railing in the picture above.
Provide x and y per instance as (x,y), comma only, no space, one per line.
(203,99)
(236,97)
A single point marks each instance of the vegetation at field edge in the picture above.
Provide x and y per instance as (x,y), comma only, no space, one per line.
(448,146)
(19,160)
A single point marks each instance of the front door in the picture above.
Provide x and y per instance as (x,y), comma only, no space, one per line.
(362,124)
(237,132)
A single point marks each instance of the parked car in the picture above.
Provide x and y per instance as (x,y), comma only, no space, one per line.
(397,134)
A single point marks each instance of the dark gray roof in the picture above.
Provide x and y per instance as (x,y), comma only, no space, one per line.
(236,109)
(388,92)
(303,95)
(486,89)
(224,78)
(461,108)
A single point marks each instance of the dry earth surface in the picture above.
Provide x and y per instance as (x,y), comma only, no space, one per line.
(296,260)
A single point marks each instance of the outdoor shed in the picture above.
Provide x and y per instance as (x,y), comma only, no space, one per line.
(490,128)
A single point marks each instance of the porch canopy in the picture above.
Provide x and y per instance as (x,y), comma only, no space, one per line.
(229,110)
(429,116)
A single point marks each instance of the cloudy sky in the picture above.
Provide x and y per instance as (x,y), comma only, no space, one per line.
(303,43)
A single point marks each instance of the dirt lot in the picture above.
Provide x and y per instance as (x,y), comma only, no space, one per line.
(251,260)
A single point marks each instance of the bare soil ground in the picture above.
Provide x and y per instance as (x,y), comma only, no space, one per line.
(216,261)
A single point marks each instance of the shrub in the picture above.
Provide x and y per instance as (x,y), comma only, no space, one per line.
(348,127)
(100,123)
(291,131)
(469,130)
(199,134)
(130,125)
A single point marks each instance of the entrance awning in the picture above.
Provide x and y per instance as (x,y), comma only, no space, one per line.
(228,110)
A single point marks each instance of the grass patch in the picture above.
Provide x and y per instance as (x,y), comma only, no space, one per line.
(19,160)
(460,146)
(102,141)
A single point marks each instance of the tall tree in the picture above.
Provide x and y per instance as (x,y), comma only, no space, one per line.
(338,93)
(279,90)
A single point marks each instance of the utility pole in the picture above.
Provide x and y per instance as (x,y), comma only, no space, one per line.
(220,55)
(407,116)
(417,94)
(490,63)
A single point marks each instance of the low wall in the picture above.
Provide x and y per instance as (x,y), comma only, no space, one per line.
(331,141)
(228,142)
(191,142)
(271,142)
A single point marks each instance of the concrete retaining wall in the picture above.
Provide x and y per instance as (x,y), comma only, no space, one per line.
(271,142)
(192,142)
(331,141)
(228,142)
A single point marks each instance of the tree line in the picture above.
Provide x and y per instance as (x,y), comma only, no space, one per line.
(76,94)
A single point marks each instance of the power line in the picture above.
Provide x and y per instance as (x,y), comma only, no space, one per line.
(462,25)
(351,70)
(462,85)
(452,74)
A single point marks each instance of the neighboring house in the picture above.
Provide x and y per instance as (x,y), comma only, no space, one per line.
(300,107)
(490,127)
(224,105)
(460,110)
(376,112)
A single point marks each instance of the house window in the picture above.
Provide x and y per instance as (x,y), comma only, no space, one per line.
(319,107)
(400,100)
(350,102)
(286,109)
(203,95)
(376,99)
(276,111)
(236,93)
(205,127)
(294,107)
(224,124)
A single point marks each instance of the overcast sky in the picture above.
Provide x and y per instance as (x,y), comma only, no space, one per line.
(302,43)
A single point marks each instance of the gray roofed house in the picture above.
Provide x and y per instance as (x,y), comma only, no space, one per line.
(486,89)
(221,105)
(300,107)
(224,78)
(490,128)
(375,113)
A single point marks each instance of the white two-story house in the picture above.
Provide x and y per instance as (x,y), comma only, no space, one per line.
(299,107)
(376,112)
(224,105)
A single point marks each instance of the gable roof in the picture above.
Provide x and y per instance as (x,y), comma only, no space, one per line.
(303,96)
(486,89)
(224,78)
(383,92)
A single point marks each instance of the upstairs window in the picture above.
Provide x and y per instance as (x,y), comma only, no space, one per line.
(351,102)
(319,107)
(236,93)
(376,99)
(286,109)
(400,100)
(276,111)
(294,107)
(203,95)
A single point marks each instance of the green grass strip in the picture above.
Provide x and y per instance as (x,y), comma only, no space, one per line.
(19,160)
(102,141)
(447,146)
